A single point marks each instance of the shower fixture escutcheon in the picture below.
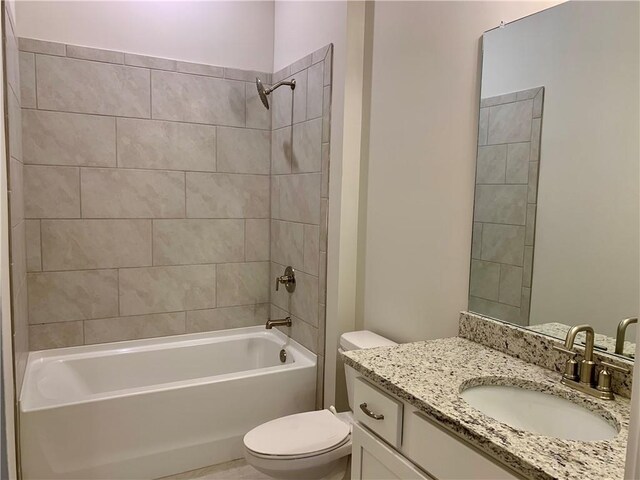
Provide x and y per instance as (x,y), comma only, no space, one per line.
(263,91)
(288,280)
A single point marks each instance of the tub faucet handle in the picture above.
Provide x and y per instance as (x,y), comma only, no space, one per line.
(288,280)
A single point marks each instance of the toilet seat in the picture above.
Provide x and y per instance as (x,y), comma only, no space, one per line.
(298,436)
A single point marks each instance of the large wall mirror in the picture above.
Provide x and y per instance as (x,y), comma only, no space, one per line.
(556,217)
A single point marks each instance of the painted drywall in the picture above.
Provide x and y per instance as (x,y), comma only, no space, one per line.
(586,55)
(423,135)
(227,33)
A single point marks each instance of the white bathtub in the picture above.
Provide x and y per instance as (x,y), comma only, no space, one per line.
(149,408)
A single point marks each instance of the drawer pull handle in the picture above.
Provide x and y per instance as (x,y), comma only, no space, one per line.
(369,413)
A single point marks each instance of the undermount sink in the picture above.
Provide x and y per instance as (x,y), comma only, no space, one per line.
(539,413)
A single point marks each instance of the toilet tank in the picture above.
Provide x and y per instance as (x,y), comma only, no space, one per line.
(357,341)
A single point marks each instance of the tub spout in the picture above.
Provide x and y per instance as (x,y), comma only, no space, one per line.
(283,322)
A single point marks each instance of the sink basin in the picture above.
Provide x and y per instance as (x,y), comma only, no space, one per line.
(539,413)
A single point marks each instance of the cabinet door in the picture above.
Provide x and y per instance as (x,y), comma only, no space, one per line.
(373,460)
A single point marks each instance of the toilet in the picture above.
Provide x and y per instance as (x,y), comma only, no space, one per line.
(310,445)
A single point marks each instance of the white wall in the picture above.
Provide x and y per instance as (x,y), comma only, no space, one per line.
(423,131)
(586,55)
(225,33)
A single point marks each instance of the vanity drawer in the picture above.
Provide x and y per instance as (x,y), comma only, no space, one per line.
(444,455)
(386,409)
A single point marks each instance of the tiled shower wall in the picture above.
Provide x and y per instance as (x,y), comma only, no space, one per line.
(505,205)
(15,186)
(299,198)
(158,193)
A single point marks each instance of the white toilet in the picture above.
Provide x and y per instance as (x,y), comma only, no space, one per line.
(310,445)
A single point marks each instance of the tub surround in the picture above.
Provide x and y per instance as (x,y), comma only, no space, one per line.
(430,375)
(161,195)
(535,348)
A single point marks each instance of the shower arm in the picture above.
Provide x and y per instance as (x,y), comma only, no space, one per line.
(291,84)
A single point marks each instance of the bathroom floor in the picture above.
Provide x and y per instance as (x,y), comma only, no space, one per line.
(233,470)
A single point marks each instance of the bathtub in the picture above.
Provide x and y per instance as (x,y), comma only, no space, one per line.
(155,407)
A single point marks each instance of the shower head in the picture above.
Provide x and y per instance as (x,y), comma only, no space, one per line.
(264,92)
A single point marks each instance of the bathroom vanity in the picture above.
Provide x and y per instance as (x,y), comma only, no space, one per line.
(413,422)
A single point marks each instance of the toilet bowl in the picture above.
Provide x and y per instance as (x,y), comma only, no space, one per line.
(310,445)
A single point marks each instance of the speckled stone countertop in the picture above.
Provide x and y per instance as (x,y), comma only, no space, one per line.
(430,375)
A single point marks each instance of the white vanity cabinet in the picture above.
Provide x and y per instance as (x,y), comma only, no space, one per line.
(404,444)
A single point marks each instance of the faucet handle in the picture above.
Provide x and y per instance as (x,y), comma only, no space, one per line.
(571,366)
(604,377)
(611,366)
(567,351)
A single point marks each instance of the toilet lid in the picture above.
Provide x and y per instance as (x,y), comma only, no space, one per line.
(297,434)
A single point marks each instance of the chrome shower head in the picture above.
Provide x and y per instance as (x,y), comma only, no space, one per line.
(264,92)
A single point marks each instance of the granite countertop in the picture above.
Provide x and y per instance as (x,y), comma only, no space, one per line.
(429,375)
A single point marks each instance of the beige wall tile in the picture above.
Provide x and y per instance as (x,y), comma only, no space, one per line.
(15,127)
(177,242)
(324,223)
(503,243)
(518,163)
(257,115)
(16,192)
(281,146)
(54,138)
(18,256)
(56,335)
(200,69)
(192,98)
(41,46)
(324,193)
(322,278)
(51,192)
(131,328)
(501,204)
(303,333)
(242,283)
(483,126)
(27,80)
(167,289)
(504,312)
(243,150)
(166,145)
(307,147)
(326,114)
(149,62)
(226,317)
(311,249)
(298,198)
(83,244)
(96,54)
(213,195)
(485,280)
(528,266)
(510,122)
(476,241)
(315,90)
(120,193)
(256,240)
(287,243)
(510,285)
(304,301)
(281,102)
(532,193)
(531,224)
(299,96)
(65,296)
(246,75)
(536,128)
(491,164)
(81,86)
(34,255)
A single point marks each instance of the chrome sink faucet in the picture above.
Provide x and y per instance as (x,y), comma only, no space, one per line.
(581,375)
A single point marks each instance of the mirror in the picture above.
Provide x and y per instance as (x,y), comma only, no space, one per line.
(556,215)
